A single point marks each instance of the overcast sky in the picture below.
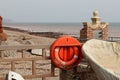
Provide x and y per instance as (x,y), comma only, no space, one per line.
(59,10)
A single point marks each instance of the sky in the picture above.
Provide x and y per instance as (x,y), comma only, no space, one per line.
(59,10)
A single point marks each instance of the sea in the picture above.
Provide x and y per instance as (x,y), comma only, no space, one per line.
(66,28)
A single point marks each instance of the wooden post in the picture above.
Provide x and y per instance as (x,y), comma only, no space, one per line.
(44,53)
(63,75)
(68,74)
(13,65)
(33,67)
(1,54)
(43,78)
(23,51)
(52,70)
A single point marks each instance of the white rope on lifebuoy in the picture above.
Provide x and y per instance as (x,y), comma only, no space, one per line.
(63,63)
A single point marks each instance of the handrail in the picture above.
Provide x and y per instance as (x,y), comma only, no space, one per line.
(18,47)
(113,38)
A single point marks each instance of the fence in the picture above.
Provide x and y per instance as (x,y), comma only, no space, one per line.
(113,38)
(27,65)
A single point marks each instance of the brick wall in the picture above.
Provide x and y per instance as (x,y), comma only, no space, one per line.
(87,31)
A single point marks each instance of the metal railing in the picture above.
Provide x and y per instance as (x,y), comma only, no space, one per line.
(113,38)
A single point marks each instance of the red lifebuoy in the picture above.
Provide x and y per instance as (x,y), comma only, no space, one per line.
(65,52)
(67,62)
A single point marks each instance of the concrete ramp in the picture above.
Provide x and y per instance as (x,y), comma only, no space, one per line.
(104,58)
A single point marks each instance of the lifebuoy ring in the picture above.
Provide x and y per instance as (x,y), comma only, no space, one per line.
(66,63)
(65,52)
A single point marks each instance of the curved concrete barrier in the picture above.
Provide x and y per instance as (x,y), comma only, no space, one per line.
(104,57)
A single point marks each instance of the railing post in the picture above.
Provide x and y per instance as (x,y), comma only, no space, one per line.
(1,54)
(13,65)
(63,75)
(23,53)
(44,53)
(52,70)
(111,38)
(44,78)
(33,67)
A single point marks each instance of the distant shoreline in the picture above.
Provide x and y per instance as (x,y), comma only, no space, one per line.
(41,34)
(70,29)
